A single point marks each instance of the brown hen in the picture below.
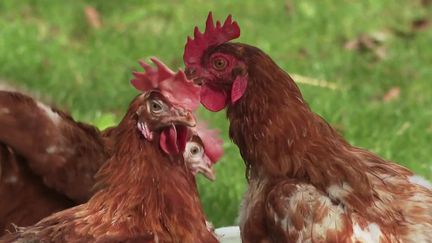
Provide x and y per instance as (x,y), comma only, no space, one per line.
(28,126)
(146,195)
(24,196)
(51,160)
(306,182)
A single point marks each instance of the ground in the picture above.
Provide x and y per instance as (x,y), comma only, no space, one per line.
(377,54)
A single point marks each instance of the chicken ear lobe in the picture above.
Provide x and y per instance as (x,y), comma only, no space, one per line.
(238,88)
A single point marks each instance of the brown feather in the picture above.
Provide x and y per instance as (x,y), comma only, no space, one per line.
(145,195)
(65,153)
(51,158)
(25,121)
(24,197)
(285,145)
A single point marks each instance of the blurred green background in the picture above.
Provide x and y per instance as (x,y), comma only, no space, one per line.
(376,55)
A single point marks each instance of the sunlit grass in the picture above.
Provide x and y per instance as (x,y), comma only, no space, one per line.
(48,47)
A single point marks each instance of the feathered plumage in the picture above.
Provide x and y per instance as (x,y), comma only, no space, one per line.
(42,134)
(306,183)
(24,197)
(146,195)
(49,163)
(45,136)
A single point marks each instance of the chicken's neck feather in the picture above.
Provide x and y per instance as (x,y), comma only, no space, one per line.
(143,194)
(279,136)
(143,188)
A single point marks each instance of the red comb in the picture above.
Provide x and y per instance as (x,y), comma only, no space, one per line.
(213,144)
(213,35)
(174,86)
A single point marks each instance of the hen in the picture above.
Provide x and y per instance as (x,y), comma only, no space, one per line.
(26,198)
(47,136)
(147,192)
(306,182)
(203,151)
(49,160)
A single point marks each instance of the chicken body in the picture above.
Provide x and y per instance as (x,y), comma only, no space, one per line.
(306,183)
(48,163)
(146,195)
(24,197)
(65,153)
(310,183)
(59,160)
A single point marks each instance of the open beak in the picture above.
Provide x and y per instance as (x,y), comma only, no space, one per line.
(174,132)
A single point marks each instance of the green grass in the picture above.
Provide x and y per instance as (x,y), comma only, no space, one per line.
(48,47)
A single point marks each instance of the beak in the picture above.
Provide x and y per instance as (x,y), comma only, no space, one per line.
(190,73)
(209,173)
(206,169)
(181,117)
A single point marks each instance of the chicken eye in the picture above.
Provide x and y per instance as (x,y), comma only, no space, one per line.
(155,107)
(219,63)
(195,150)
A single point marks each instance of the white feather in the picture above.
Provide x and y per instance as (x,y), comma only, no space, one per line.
(415,179)
(55,118)
(229,234)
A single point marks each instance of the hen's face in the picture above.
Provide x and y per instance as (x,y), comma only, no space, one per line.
(222,77)
(197,160)
(157,115)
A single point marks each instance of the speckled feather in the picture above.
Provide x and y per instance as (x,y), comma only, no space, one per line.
(50,157)
(24,197)
(313,186)
(306,183)
(20,185)
(45,136)
(138,202)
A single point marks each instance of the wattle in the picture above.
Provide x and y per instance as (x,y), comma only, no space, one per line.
(212,99)
(173,139)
